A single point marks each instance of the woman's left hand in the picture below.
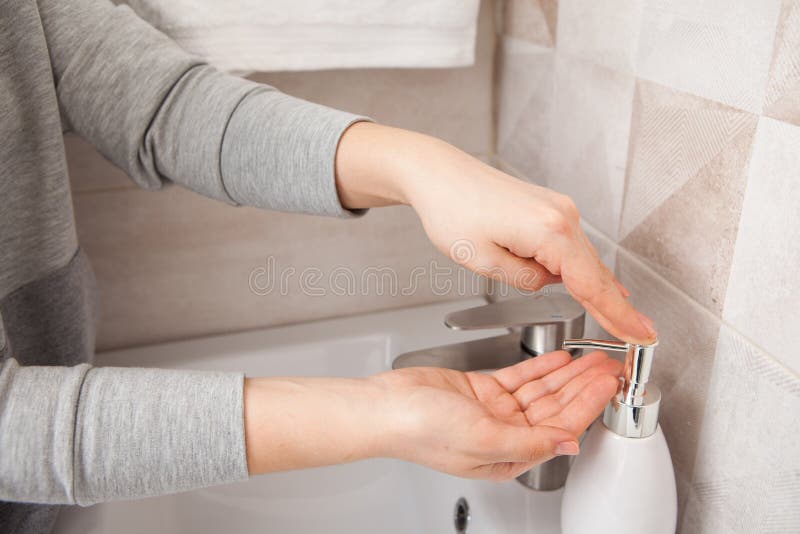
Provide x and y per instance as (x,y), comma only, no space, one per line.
(498,425)
(493,426)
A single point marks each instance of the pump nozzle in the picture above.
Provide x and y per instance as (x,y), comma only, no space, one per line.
(633,412)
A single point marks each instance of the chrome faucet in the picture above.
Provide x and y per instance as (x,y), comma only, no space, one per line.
(546,320)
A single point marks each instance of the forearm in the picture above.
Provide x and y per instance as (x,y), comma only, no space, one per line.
(165,117)
(470,425)
(294,423)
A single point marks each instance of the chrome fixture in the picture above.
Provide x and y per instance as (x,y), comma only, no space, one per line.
(461,516)
(633,412)
(546,320)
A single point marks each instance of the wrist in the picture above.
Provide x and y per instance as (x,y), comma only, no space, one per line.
(428,171)
(394,435)
(378,165)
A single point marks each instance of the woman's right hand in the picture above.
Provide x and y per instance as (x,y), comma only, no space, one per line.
(490,222)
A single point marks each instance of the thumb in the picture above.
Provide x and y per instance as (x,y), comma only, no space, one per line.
(537,444)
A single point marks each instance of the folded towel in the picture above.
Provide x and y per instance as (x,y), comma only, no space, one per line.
(272,35)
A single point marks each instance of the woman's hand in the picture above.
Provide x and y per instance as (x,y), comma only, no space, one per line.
(492,426)
(499,425)
(488,221)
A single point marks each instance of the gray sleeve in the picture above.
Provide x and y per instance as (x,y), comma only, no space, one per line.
(163,115)
(97,434)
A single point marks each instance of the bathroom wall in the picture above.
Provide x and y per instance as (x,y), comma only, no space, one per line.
(174,265)
(675,126)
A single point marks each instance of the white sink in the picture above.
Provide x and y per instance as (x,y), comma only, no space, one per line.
(372,496)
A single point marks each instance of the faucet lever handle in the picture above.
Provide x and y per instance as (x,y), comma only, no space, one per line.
(539,309)
(546,318)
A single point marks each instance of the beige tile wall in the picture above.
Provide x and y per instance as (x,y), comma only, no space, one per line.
(687,170)
(173,265)
(674,126)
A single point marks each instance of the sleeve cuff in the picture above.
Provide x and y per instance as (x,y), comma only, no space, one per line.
(82,435)
(37,425)
(279,153)
(143,432)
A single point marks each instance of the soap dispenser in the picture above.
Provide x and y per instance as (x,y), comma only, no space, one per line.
(623,482)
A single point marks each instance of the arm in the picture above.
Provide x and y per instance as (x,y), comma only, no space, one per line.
(164,116)
(473,425)
(82,435)
(96,434)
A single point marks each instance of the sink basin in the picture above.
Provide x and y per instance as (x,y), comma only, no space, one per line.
(370,496)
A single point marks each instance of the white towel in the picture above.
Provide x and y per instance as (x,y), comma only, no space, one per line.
(275,35)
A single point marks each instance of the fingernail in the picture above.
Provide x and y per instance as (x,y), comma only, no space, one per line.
(648,325)
(567,448)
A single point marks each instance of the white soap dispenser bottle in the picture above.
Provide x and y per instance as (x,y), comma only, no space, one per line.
(623,482)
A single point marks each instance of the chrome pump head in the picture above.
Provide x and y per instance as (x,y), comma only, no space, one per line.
(633,412)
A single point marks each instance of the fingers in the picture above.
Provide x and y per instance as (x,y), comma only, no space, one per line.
(503,471)
(551,405)
(586,406)
(617,331)
(513,377)
(591,284)
(523,273)
(579,392)
(535,445)
(555,380)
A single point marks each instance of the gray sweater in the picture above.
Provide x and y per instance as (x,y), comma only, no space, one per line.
(71,433)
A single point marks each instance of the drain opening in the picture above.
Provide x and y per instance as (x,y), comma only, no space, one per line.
(461,516)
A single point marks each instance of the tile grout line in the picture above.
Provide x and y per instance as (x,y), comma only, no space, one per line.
(650,271)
